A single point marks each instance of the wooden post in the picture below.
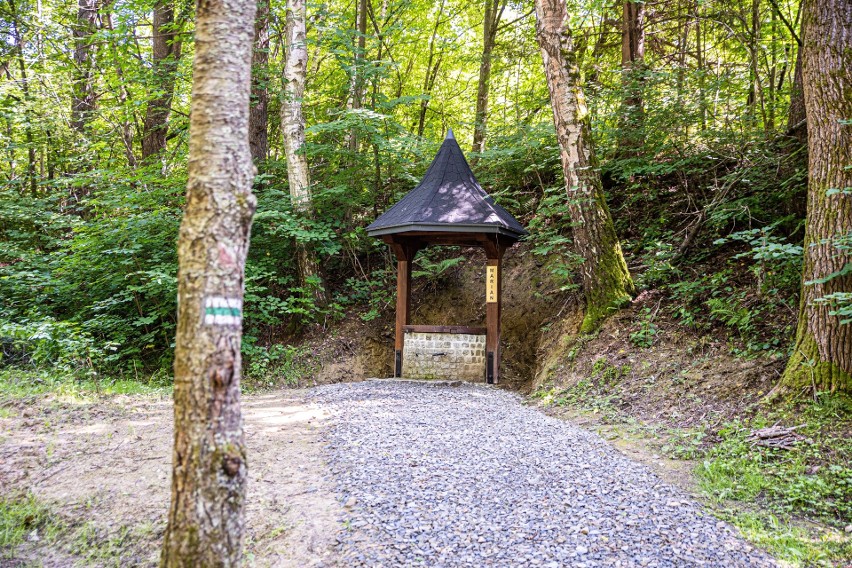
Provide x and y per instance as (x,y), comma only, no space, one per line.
(493,306)
(403,307)
(405,252)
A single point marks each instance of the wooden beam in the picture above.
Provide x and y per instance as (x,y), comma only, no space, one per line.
(444,329)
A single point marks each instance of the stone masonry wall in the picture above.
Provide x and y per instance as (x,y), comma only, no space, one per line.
(444,356)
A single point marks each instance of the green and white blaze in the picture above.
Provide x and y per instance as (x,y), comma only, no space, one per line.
(219,310)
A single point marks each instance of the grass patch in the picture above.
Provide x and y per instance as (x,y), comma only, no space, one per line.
(18,383)
(23,517)
(813,480)
(797,544)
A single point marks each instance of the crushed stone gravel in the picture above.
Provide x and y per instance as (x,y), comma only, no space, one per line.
(466,475)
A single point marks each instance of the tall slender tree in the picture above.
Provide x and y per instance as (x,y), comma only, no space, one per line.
(606,281)
(433,66)
(293,130)
(356,94)
(632,77)
(165,50)
(29,139)
(259,116)
(491,19)
(822,357)
(205,526)
(83,102)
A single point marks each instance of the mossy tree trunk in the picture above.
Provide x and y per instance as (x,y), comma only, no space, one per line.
(822,357)
(205,526)
(606,280)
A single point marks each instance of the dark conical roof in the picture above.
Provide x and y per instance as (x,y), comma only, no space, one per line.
(449,199)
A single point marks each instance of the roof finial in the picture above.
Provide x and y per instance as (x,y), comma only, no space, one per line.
(450,134)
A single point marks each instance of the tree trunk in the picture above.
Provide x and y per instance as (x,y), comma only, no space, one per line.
(797,124)
(205,526)
(122,94)
(83,100)
(606,280)
(165,49)
(259,114)
(357,94)
(632,78)
(756,98)
(18,38)
(293,129)
(491,19)
(822,357)
(433,65)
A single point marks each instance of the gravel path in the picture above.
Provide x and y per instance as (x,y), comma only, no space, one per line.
(439,475)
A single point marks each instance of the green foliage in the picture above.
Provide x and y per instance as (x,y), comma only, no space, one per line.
(716,299)
(550,241)
(436,271)
(278,365)
(376,292)
(646,333)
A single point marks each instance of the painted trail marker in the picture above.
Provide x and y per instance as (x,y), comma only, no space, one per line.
(219,310)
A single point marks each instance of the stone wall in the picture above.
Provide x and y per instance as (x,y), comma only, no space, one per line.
(443,356)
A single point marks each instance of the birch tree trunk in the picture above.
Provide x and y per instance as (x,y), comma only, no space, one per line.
(606,280)
(493,12)
(165,51)
(83,101)
(822,357)
(259,113)
(293,129)
(205,526)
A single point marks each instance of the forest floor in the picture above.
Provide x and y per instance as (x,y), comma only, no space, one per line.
(88,480)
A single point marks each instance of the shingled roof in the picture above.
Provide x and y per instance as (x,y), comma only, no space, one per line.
(448,199)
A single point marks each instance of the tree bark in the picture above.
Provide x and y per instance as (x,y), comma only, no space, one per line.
(83,99)
(822,357)
(205,526)
(493,12)
(293,129)
(632,80)
(797,124)
(606,280)
(165,49)
(259,114)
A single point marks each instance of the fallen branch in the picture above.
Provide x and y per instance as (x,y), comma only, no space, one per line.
(780,437)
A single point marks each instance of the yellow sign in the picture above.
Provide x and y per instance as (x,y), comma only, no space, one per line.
(491,285)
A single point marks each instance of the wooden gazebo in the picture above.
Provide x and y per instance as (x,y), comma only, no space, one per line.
(449,207)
